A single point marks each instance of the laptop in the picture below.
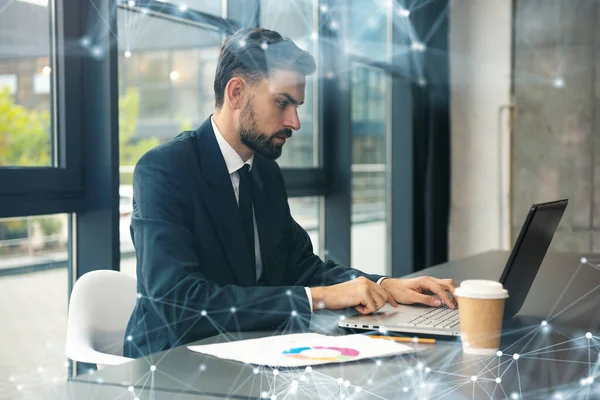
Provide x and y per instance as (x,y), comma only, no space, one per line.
(518,276)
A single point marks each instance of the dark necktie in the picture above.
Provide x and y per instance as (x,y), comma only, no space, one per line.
(246,210)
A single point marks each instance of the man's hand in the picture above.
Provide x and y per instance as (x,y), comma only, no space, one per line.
(418,290)
(361,293)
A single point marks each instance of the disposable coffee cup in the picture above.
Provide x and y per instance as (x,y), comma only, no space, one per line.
(481,309)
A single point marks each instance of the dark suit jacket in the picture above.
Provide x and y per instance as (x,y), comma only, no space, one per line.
(190,249)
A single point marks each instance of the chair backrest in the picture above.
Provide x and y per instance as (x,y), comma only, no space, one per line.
(100,306)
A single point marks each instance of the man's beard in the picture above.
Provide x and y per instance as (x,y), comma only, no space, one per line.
(261,143)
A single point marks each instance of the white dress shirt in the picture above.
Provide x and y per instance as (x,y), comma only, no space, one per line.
(234,162)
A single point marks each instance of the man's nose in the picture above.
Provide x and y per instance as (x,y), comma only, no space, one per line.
(292,120)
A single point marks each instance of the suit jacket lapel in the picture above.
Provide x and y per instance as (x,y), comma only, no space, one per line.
(220,199)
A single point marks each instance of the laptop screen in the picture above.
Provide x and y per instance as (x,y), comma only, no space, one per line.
(529,252)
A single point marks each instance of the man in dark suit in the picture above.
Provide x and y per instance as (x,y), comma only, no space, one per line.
(217,248)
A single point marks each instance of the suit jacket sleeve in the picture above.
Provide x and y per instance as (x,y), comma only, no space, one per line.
(170,271)
(306,268)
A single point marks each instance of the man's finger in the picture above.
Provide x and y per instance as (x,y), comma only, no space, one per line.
(388,295)
(426,299)
(379,297)
(438,289)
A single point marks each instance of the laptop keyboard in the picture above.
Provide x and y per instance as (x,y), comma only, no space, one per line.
(442,317)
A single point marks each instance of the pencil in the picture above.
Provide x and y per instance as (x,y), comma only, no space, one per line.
(405,339)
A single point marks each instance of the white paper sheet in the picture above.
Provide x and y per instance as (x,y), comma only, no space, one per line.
(303,349)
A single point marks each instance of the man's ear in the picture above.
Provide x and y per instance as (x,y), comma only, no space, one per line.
(234,92)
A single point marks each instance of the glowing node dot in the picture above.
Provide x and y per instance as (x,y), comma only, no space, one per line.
(415,339)
(403,12)
(544,323)
(358,389)
(233,309)
(255,371)
(203,313)
(422,82)
(308,369)
(139,295)
(405,389)
(516,356)
(303,378)
(275,372)
(20,387)
(588,335)
(353,276)
(422,386)
(40,369)
(590,380)
(96,51)
(131,3)
(420,366)
(498,380)
(127,54)
(427,370)
(136,398)
(474,378)
(314,36)
(324,8)
(130,389)
(342,317)
(584,260)
(295,383)
(11,378)
(129,338)
(417,46)
(288,292)
(274,397)
(370,381)
(153,368)
(183,8)
(294,313)
(264,46)
(378,362)
(334,25)
(499,353)
(514,395)
(559,83)
(340,381)
(242,43)
(409,371)
(264,395)
(347,383)
(202,367)
(85,41)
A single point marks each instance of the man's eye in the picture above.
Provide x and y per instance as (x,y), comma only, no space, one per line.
(282,103)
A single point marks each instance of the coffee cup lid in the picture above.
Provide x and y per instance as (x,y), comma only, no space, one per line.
(481,289)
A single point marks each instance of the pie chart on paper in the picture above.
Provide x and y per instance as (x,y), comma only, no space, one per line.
(322,353)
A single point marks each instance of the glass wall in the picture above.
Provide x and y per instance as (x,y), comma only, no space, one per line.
(25,85)
(295,20)
(33,294)
(370,125)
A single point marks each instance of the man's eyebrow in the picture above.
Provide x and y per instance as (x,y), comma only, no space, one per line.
(291,99)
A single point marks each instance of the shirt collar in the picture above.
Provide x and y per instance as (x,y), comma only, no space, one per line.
(232,158)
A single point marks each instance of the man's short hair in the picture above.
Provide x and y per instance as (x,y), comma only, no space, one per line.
(253,53)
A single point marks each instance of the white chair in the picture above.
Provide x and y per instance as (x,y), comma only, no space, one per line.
(100,306)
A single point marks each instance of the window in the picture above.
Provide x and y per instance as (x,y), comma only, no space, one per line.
(296,22)
(33,288)
(166,73)
(370,121)
(26,72)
